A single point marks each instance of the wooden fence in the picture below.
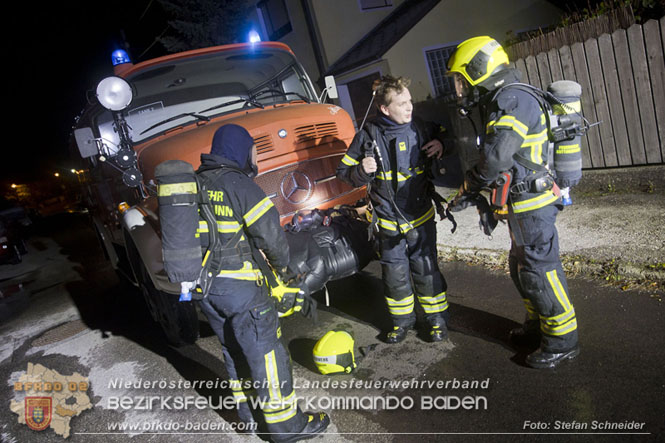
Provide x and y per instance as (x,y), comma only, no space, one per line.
(623,86)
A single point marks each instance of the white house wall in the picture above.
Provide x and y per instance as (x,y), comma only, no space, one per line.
(342,24)
(453,21)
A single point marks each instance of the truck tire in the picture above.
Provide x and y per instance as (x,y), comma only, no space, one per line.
(179,320)
(17,257)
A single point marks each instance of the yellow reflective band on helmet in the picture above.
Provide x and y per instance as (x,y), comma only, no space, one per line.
(532,204)
(281,411)
(257,211)
(176,188)
(247,272)
(567,149)
(434,304)
(349,161)
(401,307)
(567,108)
(330,359)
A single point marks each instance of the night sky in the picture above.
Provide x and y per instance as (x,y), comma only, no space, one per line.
(61,50)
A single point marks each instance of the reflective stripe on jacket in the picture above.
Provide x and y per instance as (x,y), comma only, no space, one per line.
(400,187)
(239,203)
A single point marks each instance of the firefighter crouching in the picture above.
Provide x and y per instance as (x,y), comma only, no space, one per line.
(238,306)
(390,155)
(516,141)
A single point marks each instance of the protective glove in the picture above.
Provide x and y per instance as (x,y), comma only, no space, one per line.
(487,220)
(308,309)
(462,200)
(283,294)
(291,298)
(297,302)
(286,274)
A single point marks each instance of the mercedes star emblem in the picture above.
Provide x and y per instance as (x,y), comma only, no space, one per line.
(296,187)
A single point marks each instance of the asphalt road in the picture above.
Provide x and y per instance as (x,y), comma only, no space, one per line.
(75,315)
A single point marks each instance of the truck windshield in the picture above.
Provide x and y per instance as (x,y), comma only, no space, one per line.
(190,90)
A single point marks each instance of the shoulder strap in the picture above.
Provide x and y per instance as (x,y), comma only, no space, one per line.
(529,164)
(216,252)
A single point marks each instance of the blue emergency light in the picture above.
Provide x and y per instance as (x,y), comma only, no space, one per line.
(254,36)
(120,57)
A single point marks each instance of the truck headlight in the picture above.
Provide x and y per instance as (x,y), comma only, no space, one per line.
(114,93)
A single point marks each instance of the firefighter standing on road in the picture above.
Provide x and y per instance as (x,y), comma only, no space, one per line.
(401,206)
(238,307)
(516,140)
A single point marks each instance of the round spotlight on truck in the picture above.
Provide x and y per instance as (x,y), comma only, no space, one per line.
(114,93)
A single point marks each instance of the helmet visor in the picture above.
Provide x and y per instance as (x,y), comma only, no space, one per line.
(462,87)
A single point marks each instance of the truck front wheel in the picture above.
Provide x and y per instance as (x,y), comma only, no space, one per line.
(178,320)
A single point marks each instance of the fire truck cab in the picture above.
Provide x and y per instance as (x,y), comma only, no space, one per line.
(169,108)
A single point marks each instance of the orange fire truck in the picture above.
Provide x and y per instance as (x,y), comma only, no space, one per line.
(169,108)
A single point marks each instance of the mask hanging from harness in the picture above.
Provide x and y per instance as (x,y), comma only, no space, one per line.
(179,219)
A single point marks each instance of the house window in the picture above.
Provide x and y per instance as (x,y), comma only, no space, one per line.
(437,60)
(275,18)
(366,5)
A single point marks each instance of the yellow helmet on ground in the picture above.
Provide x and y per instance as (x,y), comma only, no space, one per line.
(477,58)
(333,353)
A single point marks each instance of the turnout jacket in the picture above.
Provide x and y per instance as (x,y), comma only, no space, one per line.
(515,125)
(240,204)
(400,190)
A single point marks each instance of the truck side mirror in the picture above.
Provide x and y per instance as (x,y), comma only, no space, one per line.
(331,87)
(85,140)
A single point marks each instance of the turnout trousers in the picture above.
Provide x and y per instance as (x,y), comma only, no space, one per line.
(535,268)
(410,268)
(258,365)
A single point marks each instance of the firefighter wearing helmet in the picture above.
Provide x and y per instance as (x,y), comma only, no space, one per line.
(513,156)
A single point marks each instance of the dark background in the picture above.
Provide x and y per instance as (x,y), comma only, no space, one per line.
(58,52)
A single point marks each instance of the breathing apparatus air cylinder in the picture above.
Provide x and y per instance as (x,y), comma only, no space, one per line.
(179,219)
(566,132)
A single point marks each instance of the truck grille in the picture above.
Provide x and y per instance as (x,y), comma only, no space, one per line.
(311,135)
(264,144)
(305,185)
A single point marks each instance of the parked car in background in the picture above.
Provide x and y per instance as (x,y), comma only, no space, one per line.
(12,244)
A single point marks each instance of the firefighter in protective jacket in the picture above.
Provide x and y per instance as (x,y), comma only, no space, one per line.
(238,306)
(516,142)
(390,155)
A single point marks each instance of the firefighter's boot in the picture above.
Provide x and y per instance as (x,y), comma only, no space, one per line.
(548,360)
(437,333)
(316,424)
(397,335)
